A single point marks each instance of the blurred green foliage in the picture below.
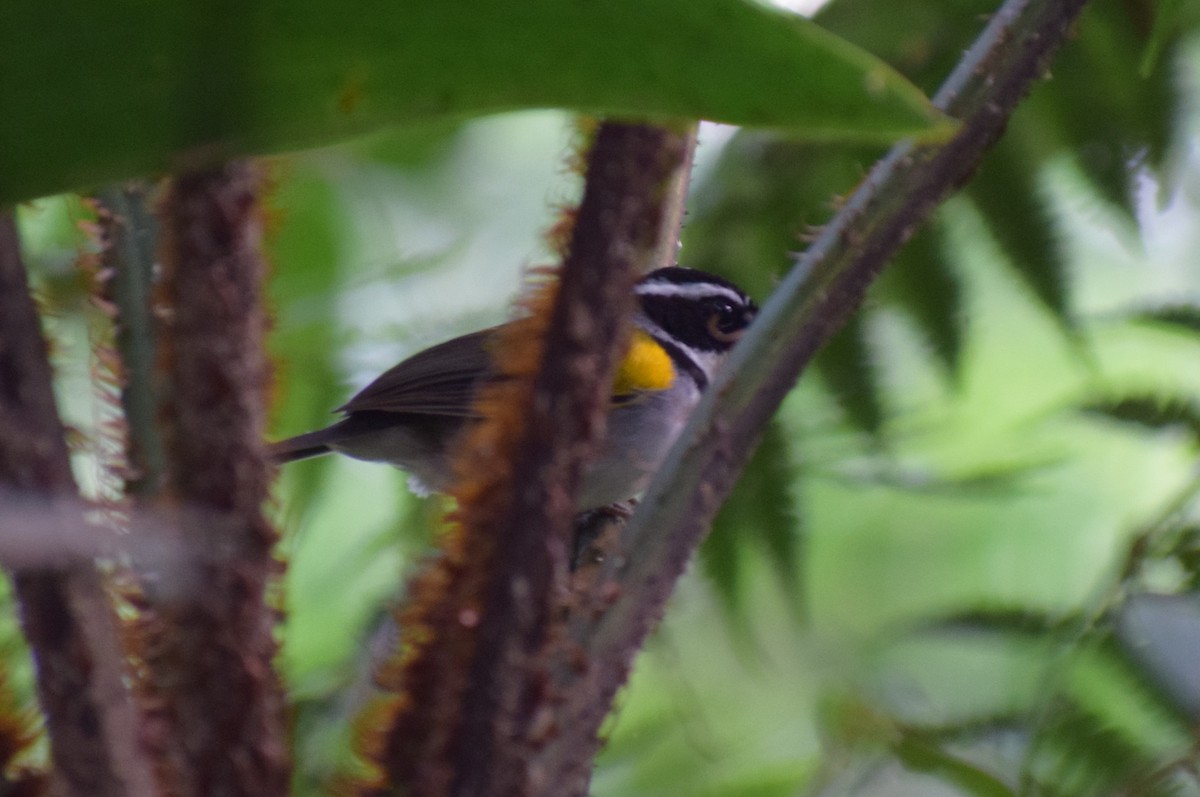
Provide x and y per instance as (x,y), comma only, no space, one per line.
(961,562)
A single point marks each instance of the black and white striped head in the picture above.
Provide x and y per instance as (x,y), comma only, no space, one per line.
(695,316)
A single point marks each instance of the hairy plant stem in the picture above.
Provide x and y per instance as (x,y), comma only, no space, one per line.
(475,696)
(65,609)
(209,638)
(812,303)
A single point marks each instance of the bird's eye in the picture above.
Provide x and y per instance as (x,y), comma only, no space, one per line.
(726,321)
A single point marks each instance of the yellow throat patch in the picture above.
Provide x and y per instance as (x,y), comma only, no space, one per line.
(646,366)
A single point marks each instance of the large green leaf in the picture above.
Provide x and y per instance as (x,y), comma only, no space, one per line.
(96,91)
(923,40)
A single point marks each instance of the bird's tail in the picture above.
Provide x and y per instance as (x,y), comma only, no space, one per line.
(302,446)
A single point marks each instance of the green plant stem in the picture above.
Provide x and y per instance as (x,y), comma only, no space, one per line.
(131,243)
(813,302)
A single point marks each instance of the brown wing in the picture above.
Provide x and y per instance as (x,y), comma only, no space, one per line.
(440,380)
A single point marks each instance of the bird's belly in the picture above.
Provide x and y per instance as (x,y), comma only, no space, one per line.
(417,449)
(635,444)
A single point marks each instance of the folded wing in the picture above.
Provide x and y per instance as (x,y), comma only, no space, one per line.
(441,380)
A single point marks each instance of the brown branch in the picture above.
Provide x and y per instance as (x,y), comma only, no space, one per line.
(209,648)
(822,291)
(674,205)
(617,234)
(65,611)
(474,691)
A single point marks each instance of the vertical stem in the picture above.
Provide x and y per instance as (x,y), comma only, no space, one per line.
(476,685)
(634,173)
(211,649)
(65,611)
(674,204)
(131,238)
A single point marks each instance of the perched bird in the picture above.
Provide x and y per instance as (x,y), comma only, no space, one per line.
(685,323)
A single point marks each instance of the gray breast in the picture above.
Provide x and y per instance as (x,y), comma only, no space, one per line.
(638,438)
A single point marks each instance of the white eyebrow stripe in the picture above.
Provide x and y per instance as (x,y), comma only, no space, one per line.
(696,290)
